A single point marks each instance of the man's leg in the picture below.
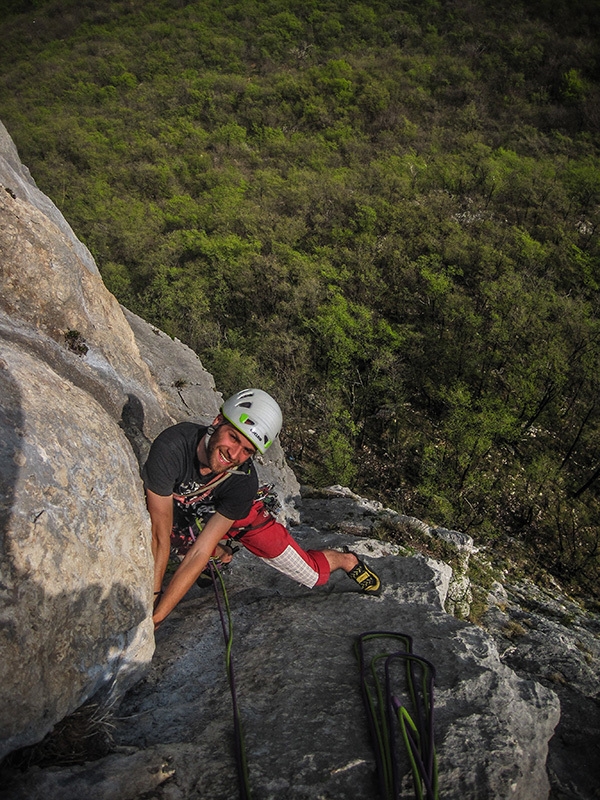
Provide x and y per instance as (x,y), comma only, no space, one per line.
(273,543)
(338,560)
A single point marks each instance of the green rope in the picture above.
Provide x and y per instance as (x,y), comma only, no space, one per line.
(383,707)
(404,718)
(377,710)
(229,637)
(241,758)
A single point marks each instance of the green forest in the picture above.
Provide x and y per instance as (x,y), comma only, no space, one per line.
(384,212)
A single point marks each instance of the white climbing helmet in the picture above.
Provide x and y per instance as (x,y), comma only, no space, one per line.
(255,414)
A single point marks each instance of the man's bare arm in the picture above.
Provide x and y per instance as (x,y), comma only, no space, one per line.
(161,516)
(192,565)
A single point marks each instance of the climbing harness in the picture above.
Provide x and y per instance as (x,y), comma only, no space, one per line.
(389,719)
(227,625)
(184,535)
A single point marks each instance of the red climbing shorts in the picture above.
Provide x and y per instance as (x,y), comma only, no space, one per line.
(261,534)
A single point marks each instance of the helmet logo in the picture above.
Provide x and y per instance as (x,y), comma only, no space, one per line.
(245,420)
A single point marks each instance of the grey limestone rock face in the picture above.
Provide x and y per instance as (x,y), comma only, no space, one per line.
(543,634)
(189,390)
(75,568)
(75,558)
(298,688)
(85,388)
(53,306)
(17,181)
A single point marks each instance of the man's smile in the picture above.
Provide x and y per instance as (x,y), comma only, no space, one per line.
(227,449)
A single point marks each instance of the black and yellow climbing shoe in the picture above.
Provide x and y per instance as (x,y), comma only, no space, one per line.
(367,579)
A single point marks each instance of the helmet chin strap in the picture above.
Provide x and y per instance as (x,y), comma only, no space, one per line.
(209,432)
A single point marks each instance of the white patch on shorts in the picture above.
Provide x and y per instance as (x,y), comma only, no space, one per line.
(294,566)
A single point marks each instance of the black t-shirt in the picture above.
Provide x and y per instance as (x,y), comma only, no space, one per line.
(172,468)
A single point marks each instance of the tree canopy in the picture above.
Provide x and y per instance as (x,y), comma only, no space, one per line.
(386,213)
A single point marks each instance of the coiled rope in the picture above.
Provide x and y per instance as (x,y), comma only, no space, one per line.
(387,714)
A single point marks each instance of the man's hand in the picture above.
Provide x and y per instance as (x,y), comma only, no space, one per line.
(223,553)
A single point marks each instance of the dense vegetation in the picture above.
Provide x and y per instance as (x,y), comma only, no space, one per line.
(384,211)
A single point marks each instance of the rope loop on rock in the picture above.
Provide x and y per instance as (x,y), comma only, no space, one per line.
(389,718)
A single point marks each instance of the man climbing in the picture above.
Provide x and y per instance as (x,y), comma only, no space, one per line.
(201,488)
